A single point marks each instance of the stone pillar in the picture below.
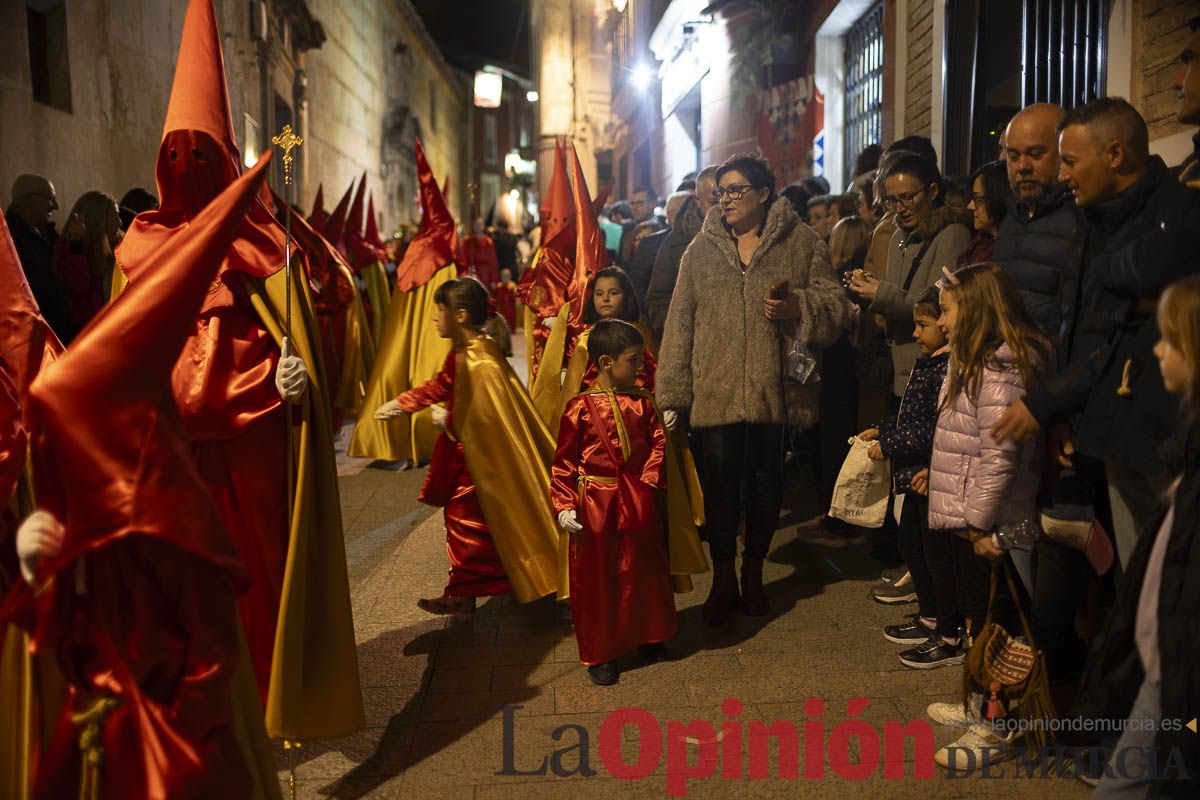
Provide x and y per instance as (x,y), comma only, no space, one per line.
(554,78)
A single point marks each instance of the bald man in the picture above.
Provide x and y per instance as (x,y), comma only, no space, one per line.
(1187,89)
(1035,235)
(1139,232)
(33,202)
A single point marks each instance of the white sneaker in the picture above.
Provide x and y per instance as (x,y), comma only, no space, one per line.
(955,715)
(978,744)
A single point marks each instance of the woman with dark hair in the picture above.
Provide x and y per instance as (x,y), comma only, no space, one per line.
(754,281)
(930,235)
(84,255)
(989,196)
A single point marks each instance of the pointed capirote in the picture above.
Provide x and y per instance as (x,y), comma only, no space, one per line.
(436,244)
(27,343)
(591,256)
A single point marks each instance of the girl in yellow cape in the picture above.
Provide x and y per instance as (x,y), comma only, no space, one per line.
(490,465)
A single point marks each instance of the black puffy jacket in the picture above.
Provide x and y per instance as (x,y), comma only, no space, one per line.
(1034,249)
(1129,249)
(1114,670)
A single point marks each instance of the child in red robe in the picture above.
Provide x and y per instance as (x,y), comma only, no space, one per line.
(489,472)
(505,295)
(608,475)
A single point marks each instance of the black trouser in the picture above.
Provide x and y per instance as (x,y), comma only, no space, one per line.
(838,405)
(1060,585)
(744,460)
(939,547)
(973,582)
(910,538)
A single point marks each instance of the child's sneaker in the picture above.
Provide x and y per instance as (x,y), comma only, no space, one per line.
(895,574)
(912,632)
(932,654)
(979,745)
(901,591)
(954,715)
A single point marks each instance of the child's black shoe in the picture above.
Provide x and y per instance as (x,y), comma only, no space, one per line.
(654,653)
(605,674)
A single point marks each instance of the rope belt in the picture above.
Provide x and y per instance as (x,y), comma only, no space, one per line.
(598,479)
(91,746)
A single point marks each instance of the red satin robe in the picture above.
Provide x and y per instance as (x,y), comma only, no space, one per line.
(621,594)
(506,302)
(479,257)
(224,384)
(154,629)
(475,567)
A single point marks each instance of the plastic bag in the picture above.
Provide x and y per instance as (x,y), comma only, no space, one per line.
(860,496)
(799,363)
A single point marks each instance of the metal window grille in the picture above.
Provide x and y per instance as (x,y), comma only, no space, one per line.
(1064,58)
(621,49)
(863,114)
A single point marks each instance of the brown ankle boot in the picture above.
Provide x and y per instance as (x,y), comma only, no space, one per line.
(723,596)
(754,596)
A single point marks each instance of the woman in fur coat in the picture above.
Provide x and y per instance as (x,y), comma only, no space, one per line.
(722,361)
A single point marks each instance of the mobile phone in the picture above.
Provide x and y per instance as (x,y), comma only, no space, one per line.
(780,290)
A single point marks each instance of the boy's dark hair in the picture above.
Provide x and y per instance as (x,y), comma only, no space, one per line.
(929,303)
(867,160)
(611,337)
(465,294)
(630,311)
(756,169)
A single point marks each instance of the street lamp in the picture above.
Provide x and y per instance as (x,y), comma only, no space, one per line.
(641,77)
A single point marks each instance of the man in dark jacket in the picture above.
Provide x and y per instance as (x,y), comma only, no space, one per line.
(1035,235)
(644,255)
(666,261)
(1140,233)
(28,216)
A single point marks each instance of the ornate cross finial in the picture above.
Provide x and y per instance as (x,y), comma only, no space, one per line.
(287,140)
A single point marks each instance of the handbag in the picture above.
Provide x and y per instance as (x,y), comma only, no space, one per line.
(1010,672)
(860,496)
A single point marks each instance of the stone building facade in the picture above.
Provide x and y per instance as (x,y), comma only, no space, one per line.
(84,90)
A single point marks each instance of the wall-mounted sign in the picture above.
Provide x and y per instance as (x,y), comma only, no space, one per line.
(488,88)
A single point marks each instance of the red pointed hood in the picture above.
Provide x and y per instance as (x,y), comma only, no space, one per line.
(317,217)
(372,234)
(557,211)
(197,160)
(591,256)
(199,97)
(111,457)
(27,344)
(356,246)
(323,260)
(335,228)
(436,244)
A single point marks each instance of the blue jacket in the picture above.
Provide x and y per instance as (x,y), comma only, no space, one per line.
(908,439)
(1034,249)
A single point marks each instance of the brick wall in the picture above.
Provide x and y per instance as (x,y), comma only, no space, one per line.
(919,77)
(1160,31)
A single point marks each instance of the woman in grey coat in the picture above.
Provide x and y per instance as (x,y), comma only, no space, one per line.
(722,362)
(931,235)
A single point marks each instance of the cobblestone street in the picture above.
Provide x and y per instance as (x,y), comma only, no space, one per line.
(434,688)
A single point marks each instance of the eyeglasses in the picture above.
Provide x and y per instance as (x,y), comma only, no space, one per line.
(905,200)
(735,192)
(979,200)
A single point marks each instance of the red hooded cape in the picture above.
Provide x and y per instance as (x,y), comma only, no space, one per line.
(436,245)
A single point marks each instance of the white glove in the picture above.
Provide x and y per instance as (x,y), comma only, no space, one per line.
(389,410)
(291,376)
(548,322)
(567,521)
(39,537)
(670,418)
(439,417)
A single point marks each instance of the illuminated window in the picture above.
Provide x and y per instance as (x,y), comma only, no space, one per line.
(864,86)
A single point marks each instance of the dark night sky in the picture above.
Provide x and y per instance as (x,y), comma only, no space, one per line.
(474,32)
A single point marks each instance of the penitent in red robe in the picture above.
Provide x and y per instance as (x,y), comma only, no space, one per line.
(475,567)
(479,257)
(611,471)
